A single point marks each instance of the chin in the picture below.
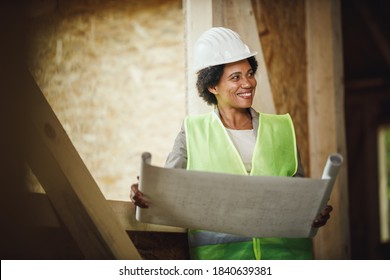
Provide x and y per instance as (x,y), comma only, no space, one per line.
(247,105)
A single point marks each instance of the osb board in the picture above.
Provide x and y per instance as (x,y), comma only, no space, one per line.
(113,72)
(161,245)
(281,26)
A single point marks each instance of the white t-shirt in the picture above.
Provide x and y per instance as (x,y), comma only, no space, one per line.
(245,141)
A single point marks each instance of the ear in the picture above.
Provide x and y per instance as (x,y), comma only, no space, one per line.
(213,90)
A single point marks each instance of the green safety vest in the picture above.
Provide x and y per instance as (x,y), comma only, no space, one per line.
(209,148)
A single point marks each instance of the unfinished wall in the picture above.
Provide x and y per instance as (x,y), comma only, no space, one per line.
(365,112)
(113,72)
(105,66)
(281,26)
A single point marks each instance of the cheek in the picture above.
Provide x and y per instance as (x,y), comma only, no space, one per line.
(254,83)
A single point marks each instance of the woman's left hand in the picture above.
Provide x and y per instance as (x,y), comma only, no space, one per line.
(323,217)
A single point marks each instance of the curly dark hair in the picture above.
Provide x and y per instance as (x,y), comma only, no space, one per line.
(210,77)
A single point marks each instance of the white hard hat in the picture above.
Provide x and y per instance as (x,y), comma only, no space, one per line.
(217,46)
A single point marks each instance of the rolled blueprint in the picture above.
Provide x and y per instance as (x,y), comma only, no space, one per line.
(332,167)
(331,170)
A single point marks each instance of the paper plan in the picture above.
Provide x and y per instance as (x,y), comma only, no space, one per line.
(254,206)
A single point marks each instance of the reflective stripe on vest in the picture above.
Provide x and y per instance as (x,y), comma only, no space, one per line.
(203,237)
(209,148)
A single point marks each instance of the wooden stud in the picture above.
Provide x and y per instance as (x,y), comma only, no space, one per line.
(198,18)
(326,118)
(230,14)
(227,14)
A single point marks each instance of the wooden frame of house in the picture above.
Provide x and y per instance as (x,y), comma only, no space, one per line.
(99,226)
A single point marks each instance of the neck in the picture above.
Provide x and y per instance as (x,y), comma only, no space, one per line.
(238,119)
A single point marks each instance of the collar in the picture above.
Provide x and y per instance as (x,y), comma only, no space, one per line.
(254,115)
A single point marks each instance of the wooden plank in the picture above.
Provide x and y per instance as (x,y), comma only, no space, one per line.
(379,37)
(384,208)
(281,26)
(240,17)
(326,118)
(69,185)
(204,14)
(198,18)
(125,213)
(40,213)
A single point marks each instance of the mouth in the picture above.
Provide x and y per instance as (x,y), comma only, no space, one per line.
(245,95)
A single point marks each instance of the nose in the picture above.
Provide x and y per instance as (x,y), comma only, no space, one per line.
(248,82)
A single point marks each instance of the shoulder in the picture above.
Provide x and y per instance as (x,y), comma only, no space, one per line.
(280,116)
(275,118)
(200,116)
(198,119)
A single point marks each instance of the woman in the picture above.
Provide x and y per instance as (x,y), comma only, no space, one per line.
(235,139)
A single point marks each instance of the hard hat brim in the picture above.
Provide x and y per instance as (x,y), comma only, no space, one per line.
(198,68)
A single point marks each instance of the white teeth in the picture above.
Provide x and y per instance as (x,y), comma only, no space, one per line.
(245,94)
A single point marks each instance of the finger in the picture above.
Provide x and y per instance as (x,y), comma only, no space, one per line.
(318,223)
(138,198)
(135,196)
(134,187)
(328,208)
(138,195)
(326,211)
(141,203)
(321,221)
(133,191)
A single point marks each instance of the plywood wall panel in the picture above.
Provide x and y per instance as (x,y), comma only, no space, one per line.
(281,25)
(113,71)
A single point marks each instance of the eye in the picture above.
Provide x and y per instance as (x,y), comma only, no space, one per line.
(235,77)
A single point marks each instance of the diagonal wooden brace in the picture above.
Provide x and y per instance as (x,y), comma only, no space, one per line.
(69,185)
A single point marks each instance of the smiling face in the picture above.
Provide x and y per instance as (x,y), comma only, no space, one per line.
(236,88)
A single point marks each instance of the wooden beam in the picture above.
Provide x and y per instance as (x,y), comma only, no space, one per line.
(281,25)
(377,34)
(125,213)
(40,213)
(365,84)
(384,208)
(198,18)
(69,185)
(239,16)
(326,118)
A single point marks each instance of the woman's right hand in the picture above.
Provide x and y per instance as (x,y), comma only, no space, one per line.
(137,197)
